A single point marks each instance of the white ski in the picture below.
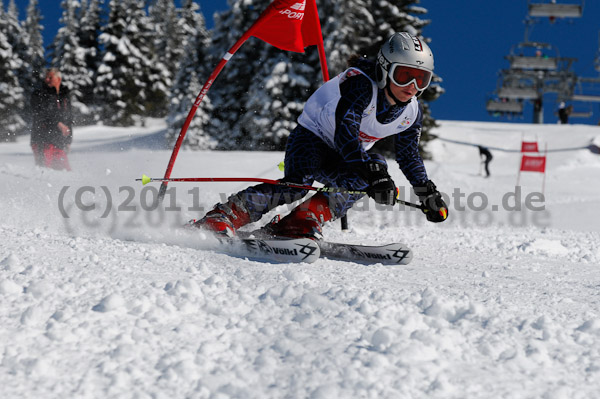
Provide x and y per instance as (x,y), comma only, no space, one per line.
(272,250)
(292,250)
(390,254)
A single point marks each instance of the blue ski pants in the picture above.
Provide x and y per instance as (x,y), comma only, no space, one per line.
(307,159)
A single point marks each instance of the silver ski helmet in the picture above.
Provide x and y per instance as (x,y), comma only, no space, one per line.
(405,59)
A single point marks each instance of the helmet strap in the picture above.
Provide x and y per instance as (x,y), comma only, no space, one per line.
(379,74)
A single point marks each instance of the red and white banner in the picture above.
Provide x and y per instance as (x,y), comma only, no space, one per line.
(527,146)
(533,164)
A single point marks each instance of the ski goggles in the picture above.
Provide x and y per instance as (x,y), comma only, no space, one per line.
(402,75)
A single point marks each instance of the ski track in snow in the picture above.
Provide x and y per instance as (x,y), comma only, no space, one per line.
(125,307)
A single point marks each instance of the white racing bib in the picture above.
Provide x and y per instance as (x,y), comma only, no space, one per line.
(319,113)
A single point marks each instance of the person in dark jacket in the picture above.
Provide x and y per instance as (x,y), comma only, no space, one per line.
(51,131)
(341,121)
(564,112)
(486,158)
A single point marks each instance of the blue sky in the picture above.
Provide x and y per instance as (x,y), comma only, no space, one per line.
(469,40)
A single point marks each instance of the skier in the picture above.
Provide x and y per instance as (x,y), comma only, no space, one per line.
(51,130)
(564,112)
(486,157)
(342,120)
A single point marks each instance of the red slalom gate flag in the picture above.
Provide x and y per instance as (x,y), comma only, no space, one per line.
(533,164)
(289,25)
(528,146)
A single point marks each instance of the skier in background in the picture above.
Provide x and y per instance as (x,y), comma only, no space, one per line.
(486,157)
(51,130)
(343,119)
(564,112)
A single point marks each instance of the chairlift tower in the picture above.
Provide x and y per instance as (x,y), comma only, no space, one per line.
(536,68)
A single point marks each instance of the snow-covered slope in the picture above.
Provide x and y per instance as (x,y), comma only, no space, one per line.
(117,302)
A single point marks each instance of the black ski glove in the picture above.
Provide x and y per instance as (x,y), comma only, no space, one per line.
(433,206)
(381,186)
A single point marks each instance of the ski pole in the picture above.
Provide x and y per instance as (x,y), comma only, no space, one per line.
(145,180)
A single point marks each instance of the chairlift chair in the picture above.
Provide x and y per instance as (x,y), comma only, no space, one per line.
(556,10)
(588,90)
(508,106)
(582,114)
(524,62)
(518,93)
(517,85)
(584,97)
(539,60)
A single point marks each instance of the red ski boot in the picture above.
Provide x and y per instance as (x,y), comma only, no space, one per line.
(225,218)
(305,221)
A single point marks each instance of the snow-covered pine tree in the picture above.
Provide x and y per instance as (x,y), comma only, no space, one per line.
(230,90)
(190,22)
(348,29)
(396,16)
(17,37)
(121,84)
(188,82)
(34,48)
(166,35)
(197,136)
(276,98)
(157,77)
(66,55)
(11,92)
(89,30)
